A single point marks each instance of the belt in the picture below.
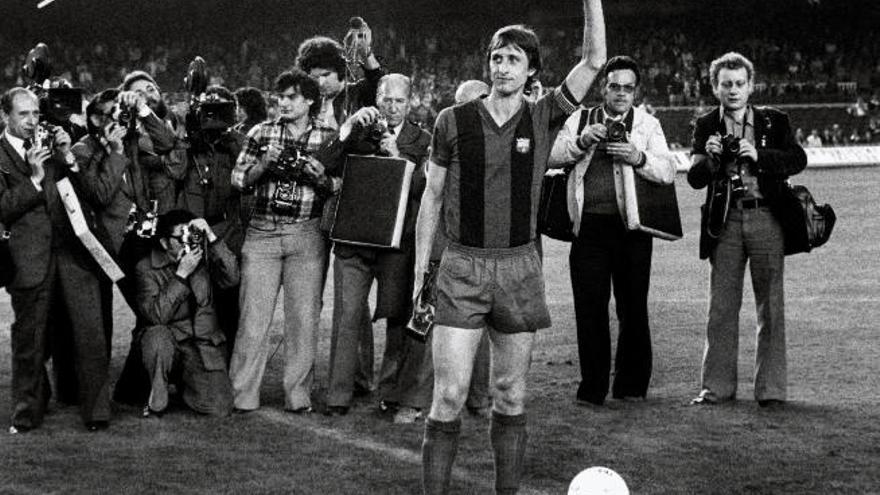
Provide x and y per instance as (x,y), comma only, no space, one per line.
(750,203)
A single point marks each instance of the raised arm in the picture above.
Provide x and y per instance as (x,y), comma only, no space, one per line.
(593,51)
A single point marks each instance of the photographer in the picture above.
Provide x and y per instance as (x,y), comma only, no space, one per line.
(55,275)
(403,380)
(744,155)
(175,296)
(603,141)
(208,193)
(161,148)
(112,158)
(282,171)
(325,61)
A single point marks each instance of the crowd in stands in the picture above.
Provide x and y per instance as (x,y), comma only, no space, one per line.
(800,62)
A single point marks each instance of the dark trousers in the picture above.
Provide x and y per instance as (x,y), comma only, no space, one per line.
(605,253)
(133,385)
(78,291)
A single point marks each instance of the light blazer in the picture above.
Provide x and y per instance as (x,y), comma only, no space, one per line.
(646,135)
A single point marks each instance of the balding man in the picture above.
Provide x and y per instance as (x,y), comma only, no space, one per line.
(404,382)
(470,90)
(54,273)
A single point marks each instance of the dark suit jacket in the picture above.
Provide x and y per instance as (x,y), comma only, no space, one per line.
(37,220)
(361,93)
(393,299)
(779,156)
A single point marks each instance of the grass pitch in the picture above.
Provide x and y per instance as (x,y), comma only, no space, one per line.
(826,440)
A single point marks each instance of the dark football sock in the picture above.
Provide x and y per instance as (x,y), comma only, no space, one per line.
(438,453)
(509,436)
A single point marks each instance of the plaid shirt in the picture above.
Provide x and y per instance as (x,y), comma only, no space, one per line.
(307,202)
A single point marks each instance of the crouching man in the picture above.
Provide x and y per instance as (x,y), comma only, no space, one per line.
(175,296)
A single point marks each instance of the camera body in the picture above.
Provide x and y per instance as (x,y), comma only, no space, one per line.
(192,238)
(58,100)
(377,130)
(44,135)
(143,224)
(616,131)
(123,115)
(730,148)
(210,113)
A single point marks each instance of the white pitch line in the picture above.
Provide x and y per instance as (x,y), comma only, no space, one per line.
(43,3)
(397,453)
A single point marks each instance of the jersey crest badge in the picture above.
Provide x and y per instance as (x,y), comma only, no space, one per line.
(523,145)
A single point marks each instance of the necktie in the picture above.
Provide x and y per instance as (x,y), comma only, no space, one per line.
(28,144)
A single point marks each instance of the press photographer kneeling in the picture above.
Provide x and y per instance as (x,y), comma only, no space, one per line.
(175,296)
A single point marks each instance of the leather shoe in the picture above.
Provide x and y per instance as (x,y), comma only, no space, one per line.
(305,410)
(706,398)
(771,403)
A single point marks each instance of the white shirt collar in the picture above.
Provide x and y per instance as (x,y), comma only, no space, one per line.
(16,142)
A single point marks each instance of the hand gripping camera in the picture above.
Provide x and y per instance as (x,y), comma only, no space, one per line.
(422,319)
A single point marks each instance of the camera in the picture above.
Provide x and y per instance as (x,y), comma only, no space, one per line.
(729,148)
(192,238)
(616,131)
(58,99)
(283,198)
(142,223)
(422,320)
(208,113)
(377,130)
(122,115)
(290,165)
(44,135)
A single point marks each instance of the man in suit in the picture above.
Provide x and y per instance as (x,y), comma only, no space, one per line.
(403,382)
(744,154)
(53,271)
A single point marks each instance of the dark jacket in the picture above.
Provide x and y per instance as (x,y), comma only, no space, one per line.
(37,220)
(187,307)
(779,156)
(207,186)
(361,93)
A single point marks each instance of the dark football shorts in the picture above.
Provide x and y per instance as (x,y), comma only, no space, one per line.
(498,287)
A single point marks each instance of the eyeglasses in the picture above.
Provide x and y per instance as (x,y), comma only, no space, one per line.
(617,88)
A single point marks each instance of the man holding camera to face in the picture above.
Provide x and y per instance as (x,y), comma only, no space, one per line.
(283,166)
(124,136)
(603,141)
(175,286)
(54,273)
(743,154)
(381,130)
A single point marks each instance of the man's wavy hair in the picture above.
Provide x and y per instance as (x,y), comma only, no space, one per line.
(524,38)
(731,61)
(303,84)
(321,52)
